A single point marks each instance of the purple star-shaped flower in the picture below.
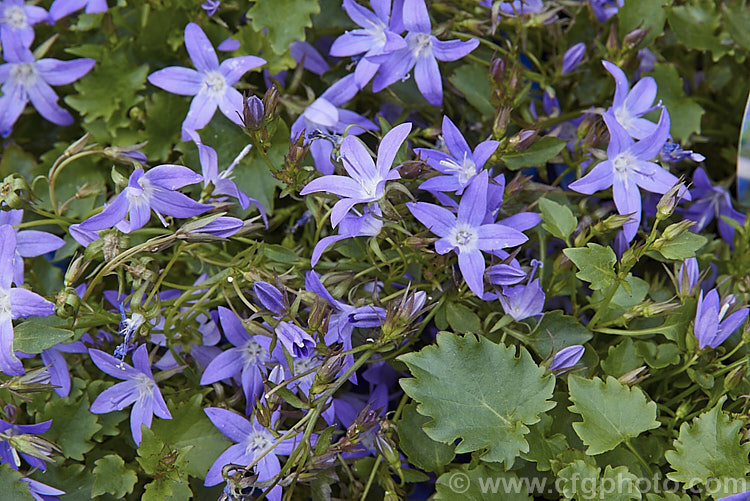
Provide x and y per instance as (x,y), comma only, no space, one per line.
(222,182)
(211,84)
(62,8)
(523,301)
(17,20)
(29,243)
(344,318)
(147,191)
(373,39)
(138,388)
(252,439)
(24,78)
(629,167)
(465,233)
(366,181)
(15,302)
(368,224)
(460,166)
(422,53)
(325,117)
(630,105)
(9,455)
(711,202)
(248,357)
(59,374)
(711,328)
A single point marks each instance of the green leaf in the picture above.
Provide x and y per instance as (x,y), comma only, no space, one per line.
(648,15)
(596,264)
(462,319)
(557,331)
(612,412)
(559,220)
(167,490)
(421,450)
(285,20)
(164,115)
(75,479)
(478,484)
(621,358)
(191,428)
(581,480)
(481,406)
(473,82)
(111,476)
(696,26)
(536,155)
(36,334)
(16,161)
(709,447)
(14,488)
(73,425)
(735,16)
(683,247)
(112,85)
(685,113)
(658,356)
(544,446)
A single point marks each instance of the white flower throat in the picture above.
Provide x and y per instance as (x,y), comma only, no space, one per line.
(214,83)
(464,237)
(15,17)
(23,74)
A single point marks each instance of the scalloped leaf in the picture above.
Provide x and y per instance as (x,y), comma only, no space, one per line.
(469,387)
(612,412)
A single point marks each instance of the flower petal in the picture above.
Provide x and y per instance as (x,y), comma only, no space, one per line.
(389,146)
(177,80)
(438,220)
(56,72)
(233,68)
(472,266)
(200,49)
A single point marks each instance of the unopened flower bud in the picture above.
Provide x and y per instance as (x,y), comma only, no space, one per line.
(666,205)
(635,376)
(387,449)
(326,373)
(497,69)
(77,146)
(684,409)
(566,358)
(634,38)
(253,112)
(270,100)
(573,57)
(735,377)
(523,139)
(675,230)
(67,303)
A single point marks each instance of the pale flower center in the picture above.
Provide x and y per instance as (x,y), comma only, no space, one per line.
(465,170)
(258,441)
(623,162)
(16,17)
(377,31)
(145,385)
(464,237)
(4,302)
(214,83)
(420,43)
(23,74)
(253,353)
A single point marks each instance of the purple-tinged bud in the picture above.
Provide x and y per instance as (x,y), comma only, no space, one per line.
(326,373)
(270,297)
(573,57)
(566,358)
(253,112)
(126,154)
(220,227)
(505,274)
(296,341)
(712,324)
(32,445)
(550,103)
(497,69)
(666,205)
(523,139)
(635,37)
(687,277)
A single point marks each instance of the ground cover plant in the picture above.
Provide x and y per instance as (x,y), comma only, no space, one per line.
(300,249)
